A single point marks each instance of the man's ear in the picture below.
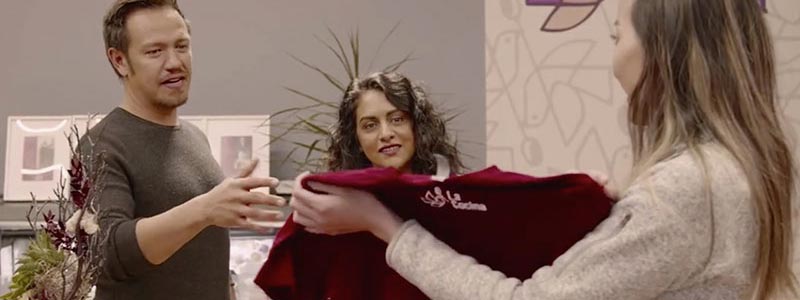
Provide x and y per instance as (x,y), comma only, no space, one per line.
(119,61)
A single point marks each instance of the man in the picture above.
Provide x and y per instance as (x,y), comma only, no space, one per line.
(165,208)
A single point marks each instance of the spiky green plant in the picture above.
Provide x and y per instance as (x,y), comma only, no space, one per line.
(63,261)
(308,127)
(40,257)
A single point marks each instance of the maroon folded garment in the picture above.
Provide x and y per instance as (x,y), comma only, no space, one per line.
(511,222)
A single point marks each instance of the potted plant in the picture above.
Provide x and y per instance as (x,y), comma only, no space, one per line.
(63,261)
(307,127)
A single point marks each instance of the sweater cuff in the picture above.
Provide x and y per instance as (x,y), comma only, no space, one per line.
(390,249)
(130,255)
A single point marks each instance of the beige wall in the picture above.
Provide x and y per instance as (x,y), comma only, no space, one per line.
(552,103)
(551,100)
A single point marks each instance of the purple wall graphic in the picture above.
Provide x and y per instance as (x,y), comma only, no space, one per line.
(568,14)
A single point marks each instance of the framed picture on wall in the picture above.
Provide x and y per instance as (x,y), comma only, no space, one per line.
(83,124)
(37,155)
(235,140)
(199,121)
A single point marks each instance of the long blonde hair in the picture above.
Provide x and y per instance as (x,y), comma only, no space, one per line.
(709,74)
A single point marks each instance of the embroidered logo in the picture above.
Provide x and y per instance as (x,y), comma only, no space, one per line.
(439,199)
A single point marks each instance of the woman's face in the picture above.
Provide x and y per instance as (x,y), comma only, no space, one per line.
(628,53)
(385,133)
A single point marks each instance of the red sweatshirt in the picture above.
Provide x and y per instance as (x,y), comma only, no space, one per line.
(510,222)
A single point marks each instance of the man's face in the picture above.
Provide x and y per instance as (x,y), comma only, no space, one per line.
(158,65)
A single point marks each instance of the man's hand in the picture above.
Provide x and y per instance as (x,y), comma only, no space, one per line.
(231,203)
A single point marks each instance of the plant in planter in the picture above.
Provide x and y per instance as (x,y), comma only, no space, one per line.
(63,262)
(308,127)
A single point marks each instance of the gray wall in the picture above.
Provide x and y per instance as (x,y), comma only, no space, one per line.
(52,61)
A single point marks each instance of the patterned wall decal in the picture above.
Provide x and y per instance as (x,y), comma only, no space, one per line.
(566,14)
(552,103)
(549,96)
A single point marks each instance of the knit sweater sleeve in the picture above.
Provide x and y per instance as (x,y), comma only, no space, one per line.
(657,236)
(123,258)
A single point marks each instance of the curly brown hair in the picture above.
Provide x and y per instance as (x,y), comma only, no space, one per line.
(430,134)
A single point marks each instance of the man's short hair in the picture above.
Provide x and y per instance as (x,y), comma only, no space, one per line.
(114,33)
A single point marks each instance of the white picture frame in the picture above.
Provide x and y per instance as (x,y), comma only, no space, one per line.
(200,121)
(82,122)
(235,140)
(37,156)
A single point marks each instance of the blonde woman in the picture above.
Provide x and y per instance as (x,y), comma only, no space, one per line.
(707,212)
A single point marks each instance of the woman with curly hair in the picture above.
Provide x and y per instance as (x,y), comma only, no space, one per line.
(385,120)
